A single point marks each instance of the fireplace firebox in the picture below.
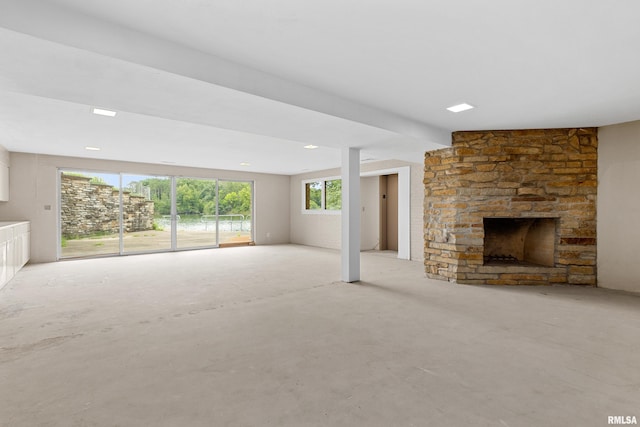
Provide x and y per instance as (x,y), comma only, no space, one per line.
(519,241)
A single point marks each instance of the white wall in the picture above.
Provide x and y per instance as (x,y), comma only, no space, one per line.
(4,156)
(34,196)
(324,230)
(619,206)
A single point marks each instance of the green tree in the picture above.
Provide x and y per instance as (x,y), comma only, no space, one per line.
(198,196)
(314,195)
(333,194)
(188,199)
(235,198)
(160,189)
(209,208)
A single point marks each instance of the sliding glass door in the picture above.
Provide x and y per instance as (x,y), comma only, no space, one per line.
(115,214)
(196,207)
(235,212)
(89,214)
(146,213)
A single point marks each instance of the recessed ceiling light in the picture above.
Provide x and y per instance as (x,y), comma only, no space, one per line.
(310,147)
(460,107)
(167,162)
(102,112)
(245,164)
(92,148)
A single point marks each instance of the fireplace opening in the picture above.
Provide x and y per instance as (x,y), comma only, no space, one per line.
(519,241)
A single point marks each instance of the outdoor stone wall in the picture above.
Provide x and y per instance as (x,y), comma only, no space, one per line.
(88,208)
(548,173)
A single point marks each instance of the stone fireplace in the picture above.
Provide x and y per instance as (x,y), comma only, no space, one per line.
(513,207)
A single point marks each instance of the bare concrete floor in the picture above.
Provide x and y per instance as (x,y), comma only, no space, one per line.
(266,336)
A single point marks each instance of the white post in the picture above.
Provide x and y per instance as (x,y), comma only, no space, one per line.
(350,215)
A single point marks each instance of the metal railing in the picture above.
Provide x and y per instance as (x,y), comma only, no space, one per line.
(229,222)
(233,219)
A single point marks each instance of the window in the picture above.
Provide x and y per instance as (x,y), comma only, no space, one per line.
(117,213)
(322,195)
(333,194)
(313,195)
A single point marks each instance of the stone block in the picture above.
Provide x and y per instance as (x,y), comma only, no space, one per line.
(438,168)
(504,167)
(506,184)
(432,161)
(460,171)
(581,279)
(575,171)
(582,270)
(471,282)
(522,149)
(447,192)
(465,151)
(590,241)
(476,159)
(520,277)
(551,148)
(583,156)
(502,158)
(468,256)
(557,278)
(482,276)
(501,282)
(494,149)
(450,160)
(488,167)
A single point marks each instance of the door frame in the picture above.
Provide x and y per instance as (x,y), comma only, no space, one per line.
(404,206)
(173,184)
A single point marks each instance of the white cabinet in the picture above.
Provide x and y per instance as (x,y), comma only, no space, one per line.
(14,248)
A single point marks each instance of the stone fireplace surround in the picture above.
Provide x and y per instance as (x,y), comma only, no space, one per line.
(541,183)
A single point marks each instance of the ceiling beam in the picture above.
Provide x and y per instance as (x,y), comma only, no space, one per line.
(65,26)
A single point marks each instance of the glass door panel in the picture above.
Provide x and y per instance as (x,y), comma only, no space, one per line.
(89,214)
(235,212)
(146,213)
(196,206)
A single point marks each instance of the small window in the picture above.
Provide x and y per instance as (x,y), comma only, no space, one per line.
(333,195)
(313,195)
(323,195)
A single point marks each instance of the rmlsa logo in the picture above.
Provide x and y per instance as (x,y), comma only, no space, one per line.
(620,419)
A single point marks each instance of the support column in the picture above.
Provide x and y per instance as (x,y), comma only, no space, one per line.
(350,215)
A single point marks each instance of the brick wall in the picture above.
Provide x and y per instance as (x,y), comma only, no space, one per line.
(548,173)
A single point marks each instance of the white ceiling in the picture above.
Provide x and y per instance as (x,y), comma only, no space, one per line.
(213,83)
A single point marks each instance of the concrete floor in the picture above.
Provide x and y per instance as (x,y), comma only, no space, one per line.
(266,336)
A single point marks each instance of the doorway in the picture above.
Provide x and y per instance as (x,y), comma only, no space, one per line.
(389,212)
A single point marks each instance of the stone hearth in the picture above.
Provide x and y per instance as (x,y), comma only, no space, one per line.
(513,207)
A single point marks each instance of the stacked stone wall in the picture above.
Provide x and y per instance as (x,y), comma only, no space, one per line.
(89,208)
(548,173)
